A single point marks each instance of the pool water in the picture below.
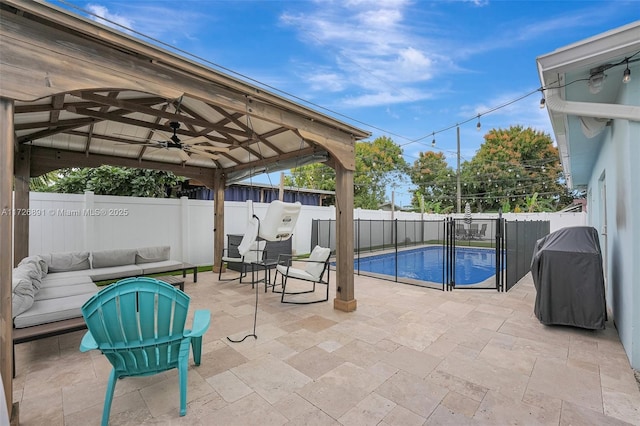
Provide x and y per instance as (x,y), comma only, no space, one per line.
(425,264)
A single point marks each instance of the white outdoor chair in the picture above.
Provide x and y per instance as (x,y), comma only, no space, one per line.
(315,267)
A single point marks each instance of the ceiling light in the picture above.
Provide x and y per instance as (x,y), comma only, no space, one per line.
(626,76)
(596,81)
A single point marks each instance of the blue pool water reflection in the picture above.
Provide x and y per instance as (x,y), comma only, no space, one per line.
(426,264)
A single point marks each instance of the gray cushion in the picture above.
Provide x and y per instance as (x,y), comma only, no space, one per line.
(68,274)
(69,261)
(164,266)
(153,254)
(23,293)
(56,292)
(38,260)
(108,258)
(115,272)
(52,280)
(31,271)
(50,310)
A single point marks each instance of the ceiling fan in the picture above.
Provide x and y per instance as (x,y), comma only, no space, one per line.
(182,149)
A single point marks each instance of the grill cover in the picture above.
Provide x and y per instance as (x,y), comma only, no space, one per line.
(567,272)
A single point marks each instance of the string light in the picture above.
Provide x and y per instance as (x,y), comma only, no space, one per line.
(626,75)
(478,126)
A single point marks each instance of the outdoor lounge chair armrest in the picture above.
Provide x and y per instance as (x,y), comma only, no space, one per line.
(285,259)
(201,320)
(88,343)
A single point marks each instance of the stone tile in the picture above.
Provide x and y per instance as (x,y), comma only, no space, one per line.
(499,409)
(127,409)
(371,410)
(252,410)
(569,383)
(365,353)
(229,386)
(412,361)
(573,414)
(164,396)
(512,359)
(314,362)
(341,389)
(443,416)
(316,323)
(621,405)
(271,378)
(413,393)
(43,408)
(460,404)
(453,383)
(483,374)
(402,416)
(220,360)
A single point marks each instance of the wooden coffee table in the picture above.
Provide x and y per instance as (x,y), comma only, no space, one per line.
(174,280)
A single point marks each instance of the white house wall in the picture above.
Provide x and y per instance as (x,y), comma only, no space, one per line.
(619,163)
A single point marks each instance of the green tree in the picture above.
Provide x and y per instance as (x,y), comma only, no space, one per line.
(433,177)
(111,180)
(510,166)
(44,182)
(378,164)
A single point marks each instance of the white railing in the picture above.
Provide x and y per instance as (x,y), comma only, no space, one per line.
(74,222)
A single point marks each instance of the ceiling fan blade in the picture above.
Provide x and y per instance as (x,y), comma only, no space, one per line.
(183,155)
(196,151)
(210,148)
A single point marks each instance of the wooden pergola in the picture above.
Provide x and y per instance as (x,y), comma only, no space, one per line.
(75,93)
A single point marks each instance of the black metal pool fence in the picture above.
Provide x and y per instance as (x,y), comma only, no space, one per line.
(512,241)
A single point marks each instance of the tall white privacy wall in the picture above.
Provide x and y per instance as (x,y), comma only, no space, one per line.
(74,222)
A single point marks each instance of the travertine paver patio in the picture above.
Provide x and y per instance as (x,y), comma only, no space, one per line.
(407,356)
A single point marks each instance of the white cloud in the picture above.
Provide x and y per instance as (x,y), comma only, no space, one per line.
(111,18)
(154,20)
(374,50)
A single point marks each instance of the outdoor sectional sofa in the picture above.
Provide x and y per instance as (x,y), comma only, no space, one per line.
(49,289)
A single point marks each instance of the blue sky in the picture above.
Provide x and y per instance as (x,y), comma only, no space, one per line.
(402,69)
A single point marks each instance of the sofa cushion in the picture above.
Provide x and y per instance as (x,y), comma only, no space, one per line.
(153,254)
(23,293)
(50,310)
(115,272)
(118,257)
(31,271)
(164,266)
(68,261)
(39,261)
(56,292)
(52,280)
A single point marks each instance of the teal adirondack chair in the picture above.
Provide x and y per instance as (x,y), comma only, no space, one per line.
(139,325)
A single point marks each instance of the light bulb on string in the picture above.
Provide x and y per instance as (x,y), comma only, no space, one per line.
(626,75)
(478,126)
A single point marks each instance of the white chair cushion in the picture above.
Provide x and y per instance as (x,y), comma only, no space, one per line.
(319,255)
(295,273)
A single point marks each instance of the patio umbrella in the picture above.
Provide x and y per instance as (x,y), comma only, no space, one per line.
(467,214)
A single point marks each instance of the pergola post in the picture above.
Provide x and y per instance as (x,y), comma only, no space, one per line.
(6,247)
(345,293)
(21,188)
(219,182)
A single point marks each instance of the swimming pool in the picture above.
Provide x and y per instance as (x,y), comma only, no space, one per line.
(473,265)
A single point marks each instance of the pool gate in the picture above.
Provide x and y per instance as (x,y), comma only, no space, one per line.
(510,243)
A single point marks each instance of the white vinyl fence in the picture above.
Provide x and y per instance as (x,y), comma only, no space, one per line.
(74,222)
